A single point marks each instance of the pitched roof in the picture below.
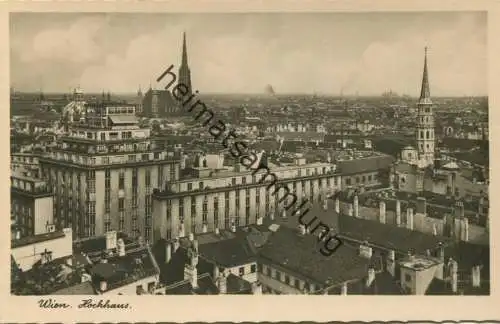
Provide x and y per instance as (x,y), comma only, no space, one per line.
(368,164)
(387,236)
(184,287)
(227,253)
(301,255)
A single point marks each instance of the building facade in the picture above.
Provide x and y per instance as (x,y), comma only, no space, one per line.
(220,200)
(31,207)
(104,171)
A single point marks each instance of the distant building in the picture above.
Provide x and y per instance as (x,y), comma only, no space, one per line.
(161,103)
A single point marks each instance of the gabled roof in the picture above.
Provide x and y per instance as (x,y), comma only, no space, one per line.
(300,254)
(388,236)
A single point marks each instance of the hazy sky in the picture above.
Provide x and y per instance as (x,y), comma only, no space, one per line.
(242,53)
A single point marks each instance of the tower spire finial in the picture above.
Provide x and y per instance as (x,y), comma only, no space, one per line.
(425,93)
(184,49)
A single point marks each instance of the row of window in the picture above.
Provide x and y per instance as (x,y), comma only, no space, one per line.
(360,179)
(284,278)
(200,185)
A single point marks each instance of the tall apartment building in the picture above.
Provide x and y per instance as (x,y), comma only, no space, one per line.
(211,200)
(103,173)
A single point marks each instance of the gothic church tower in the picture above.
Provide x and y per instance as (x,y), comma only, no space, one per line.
(184,71)
(425,122)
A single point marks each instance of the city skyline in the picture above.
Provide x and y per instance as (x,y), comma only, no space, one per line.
(54,52)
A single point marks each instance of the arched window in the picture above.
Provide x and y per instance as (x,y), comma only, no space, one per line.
(427,135)
(422,134)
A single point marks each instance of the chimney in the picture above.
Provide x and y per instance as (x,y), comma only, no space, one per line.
(459,209)
(464,229)
(259,220)
(356,206)
(256,288)
(222,283)
(454,275)
(409,218)
(121,247)
(103,286)
(441,252)
(204,229)
(283,213)
(398,212)
(371,277)
(476,276)
(365,251)
(168,253)
(337,205)
(233,227)
(343,289)
(350,210)
(110,240)
(191,237)
(216,272)
(421,205)
(325,204)
(382,211)
(182,231)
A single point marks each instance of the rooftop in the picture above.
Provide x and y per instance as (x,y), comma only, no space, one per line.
(120,271)
(36,239)
(301,255)
(388,236)
(184,287)
(49,278)
(419,262)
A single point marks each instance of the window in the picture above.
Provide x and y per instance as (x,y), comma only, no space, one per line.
(241,271)
(201,185)
(151,286)
(348,181)
(407,277)
(190,186)
(244,180)
(253,268)
(121,204)
(121,180)
(233,180)
(369,178)
(148,178)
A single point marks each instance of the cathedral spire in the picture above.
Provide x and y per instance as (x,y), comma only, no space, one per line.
(184,50)
(425,94)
